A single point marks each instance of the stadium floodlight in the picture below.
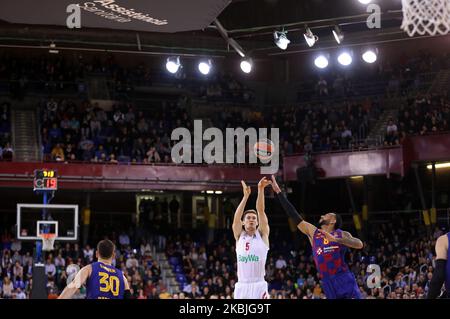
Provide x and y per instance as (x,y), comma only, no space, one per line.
(205,67)
(209,192)
(369,56)
(365,1)
(321,62)
(173,64)
(246,65)
(218,192)
(281,39)
(338,34)
(345,59)
(310,37)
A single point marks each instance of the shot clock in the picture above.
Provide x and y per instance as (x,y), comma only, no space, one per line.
(45,180)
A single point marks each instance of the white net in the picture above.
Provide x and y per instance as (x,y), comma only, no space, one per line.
(48,241)
(426,17)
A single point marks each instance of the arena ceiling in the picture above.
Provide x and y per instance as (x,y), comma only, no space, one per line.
(208,27)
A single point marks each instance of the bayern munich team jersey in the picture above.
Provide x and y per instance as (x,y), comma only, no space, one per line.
(251,254)
(329,256)
(105,282)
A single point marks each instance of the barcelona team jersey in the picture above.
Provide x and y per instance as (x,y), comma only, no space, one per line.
(105,282)
(329,256)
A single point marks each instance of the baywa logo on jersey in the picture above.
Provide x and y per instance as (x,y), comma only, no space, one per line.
(248,258)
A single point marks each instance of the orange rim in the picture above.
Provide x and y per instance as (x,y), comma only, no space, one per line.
(47,236)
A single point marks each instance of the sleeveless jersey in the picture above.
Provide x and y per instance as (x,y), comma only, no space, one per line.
(105,282)
(447,270)
(251,253)
(329,256)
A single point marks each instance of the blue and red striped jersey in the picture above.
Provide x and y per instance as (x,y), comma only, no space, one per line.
(329,256)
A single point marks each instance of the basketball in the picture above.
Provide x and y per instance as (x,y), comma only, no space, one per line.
(264,149)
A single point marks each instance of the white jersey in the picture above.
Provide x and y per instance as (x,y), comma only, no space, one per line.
(251,253)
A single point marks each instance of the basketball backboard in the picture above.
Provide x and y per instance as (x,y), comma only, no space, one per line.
(61,220)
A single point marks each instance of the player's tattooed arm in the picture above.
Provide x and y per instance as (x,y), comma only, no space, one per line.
(237,223)
(350,241)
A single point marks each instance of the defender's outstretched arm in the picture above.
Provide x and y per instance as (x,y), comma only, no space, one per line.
(305,227)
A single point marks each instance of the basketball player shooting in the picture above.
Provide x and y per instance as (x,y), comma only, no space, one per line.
(251,231)
(329,244)
(441,273)
(103,281)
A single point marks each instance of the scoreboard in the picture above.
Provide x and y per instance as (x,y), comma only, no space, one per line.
(45,180)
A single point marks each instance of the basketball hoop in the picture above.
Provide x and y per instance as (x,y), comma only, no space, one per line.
(426,17)
(48,240)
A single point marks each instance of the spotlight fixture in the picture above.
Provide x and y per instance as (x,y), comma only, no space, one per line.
(173,64)
(281,39)
(310,38)
(205,67)
(246,65)
(369,56)
(345,59)
(365,1)
(321,61)
(338,34)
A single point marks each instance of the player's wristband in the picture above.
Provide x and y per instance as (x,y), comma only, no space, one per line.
(438,279)
(289,208)
(127,294)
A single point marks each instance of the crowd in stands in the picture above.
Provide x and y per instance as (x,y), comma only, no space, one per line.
(44,73)
(84,132)
(386,77)
(72,132)
(403,249)
(57,73)
(80,131)
(404,254)
(6,151)
(137,263)
(419,115)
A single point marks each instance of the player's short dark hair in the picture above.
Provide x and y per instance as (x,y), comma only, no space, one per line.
(105,248)
(338,221)
(249,211)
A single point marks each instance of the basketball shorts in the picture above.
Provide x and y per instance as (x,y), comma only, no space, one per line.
(251,290)
(341,286)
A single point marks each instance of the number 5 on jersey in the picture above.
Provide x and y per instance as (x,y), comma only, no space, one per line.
(247,246)
(109,283)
